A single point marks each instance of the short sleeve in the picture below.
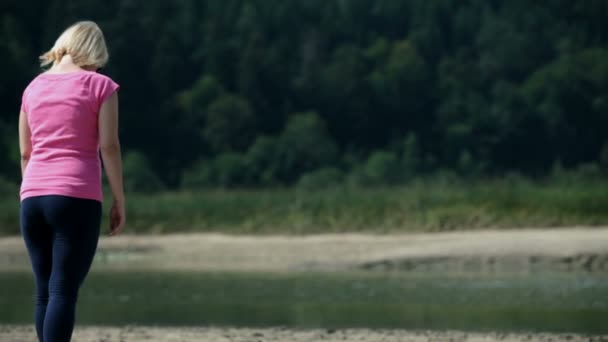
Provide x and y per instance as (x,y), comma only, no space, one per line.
(24,101)
(103,87)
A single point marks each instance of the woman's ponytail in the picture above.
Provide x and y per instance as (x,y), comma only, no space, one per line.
(52,56)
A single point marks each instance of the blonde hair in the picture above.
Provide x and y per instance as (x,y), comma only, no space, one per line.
(84,42)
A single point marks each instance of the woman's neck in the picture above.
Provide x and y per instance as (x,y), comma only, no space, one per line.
(65,65)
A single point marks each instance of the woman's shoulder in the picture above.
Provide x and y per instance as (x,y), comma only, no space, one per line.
(81,74)
(97,75)
(97,79)
(33,83)
(101,86)
(98,84)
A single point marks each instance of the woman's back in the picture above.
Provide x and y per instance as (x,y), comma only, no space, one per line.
(62,113)
(68,115)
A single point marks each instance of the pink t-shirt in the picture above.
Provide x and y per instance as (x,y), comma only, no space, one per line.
(62,113)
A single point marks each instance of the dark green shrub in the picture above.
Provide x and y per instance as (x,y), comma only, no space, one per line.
(381,168)
(138,174)
(230,170)
(8,189)
(321,179)
(200,176)
(263,161)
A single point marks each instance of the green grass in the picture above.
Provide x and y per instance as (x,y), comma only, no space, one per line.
(539,302)
(425,206)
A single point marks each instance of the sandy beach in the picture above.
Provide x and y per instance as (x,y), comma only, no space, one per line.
(216,334)
(572,249)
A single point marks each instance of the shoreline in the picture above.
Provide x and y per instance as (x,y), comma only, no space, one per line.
(566,250)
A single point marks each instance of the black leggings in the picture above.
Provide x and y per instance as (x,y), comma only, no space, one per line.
(61,235)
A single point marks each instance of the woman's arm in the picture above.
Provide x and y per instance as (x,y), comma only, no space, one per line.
(25,142)
(112,160)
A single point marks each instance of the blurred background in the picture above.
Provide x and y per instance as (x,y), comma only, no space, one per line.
(317,116)
(313,94)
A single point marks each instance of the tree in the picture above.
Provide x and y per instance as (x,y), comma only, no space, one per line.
(304,145)
(402,90)
(504,85)
(569,96)
(229,124)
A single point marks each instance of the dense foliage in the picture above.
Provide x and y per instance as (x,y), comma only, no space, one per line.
(271,92)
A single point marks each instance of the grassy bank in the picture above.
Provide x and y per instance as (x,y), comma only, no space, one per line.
(420,206)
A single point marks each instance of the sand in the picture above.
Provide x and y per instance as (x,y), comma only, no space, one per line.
(216,334)
(572,249)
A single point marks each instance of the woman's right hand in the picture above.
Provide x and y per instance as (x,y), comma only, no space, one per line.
(117,217)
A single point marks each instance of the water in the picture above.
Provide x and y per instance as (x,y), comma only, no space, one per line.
(538,302)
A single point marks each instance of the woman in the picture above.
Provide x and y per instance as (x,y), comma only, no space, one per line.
(68,114)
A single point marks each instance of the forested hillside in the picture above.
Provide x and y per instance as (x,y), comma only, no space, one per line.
(240,93)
